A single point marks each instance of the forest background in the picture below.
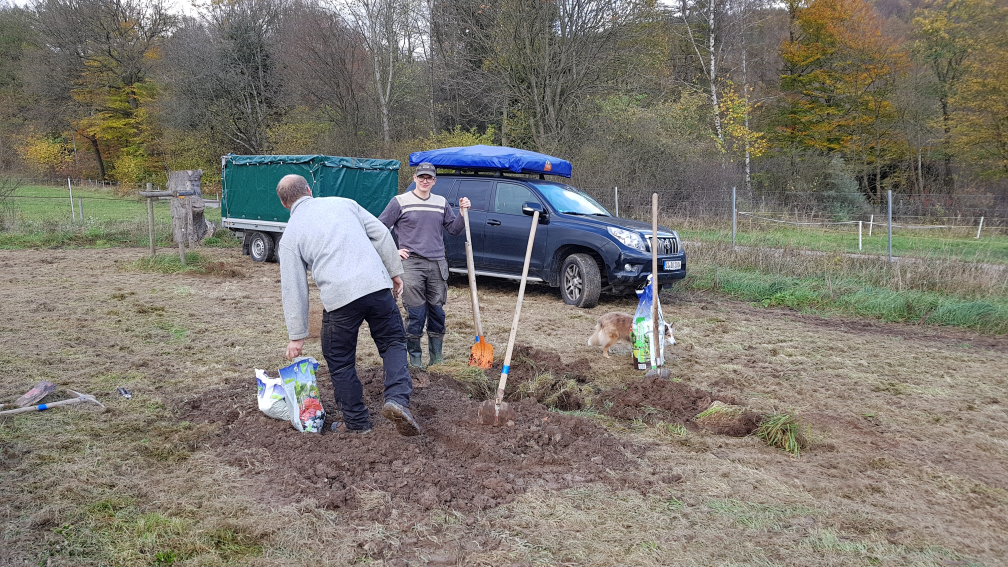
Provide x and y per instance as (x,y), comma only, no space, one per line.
(841,99)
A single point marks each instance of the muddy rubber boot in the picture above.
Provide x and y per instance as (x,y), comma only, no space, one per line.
(434,345)
(415,354)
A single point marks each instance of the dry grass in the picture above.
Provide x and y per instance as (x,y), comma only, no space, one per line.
(938,274)
(906,463)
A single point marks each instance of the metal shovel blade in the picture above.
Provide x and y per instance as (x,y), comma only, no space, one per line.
(497,415)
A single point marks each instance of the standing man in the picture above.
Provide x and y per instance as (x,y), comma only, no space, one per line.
(417,217)
(356,266)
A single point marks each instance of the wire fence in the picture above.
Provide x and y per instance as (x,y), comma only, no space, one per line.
(958,213)
(210,191)
(808,209)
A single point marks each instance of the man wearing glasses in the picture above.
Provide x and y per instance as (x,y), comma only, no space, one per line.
(417,217)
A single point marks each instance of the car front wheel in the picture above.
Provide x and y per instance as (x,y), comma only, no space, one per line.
(580,282)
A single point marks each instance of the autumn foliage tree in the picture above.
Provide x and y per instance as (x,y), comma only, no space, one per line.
(981,100)
(840,72)
(90,72)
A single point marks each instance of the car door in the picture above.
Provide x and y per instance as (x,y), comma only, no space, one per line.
(507,231)
(478,191)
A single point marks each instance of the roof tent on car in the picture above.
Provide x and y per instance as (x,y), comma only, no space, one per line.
(493,158)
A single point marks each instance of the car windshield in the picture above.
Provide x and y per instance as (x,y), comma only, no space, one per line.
(569,200)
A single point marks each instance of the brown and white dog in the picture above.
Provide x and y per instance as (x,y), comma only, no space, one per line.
(615,327)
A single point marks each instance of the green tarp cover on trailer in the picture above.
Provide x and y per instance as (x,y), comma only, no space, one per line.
(250,182)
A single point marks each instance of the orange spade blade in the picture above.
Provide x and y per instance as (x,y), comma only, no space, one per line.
(481,354)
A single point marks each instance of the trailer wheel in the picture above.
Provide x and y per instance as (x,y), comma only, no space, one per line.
(260,246)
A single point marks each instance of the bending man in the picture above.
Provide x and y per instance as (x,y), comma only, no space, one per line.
(417,217)
(356,266)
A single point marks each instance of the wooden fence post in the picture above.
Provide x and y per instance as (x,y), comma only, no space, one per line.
(185,235)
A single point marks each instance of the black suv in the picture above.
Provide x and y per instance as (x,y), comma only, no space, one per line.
(579,246)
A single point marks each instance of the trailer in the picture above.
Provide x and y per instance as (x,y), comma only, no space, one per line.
(251,209)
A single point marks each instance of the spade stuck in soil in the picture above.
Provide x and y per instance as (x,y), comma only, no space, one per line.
(497,412)
(481,354)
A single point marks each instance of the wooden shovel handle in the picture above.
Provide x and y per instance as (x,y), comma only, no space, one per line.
(656,344)
(517,315)
(472,275)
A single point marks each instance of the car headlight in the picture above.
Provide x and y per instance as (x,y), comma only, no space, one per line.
(628,238)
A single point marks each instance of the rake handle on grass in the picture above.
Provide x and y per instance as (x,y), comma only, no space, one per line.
(514,324)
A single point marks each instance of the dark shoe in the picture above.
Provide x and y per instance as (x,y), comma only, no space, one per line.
(402,419)
(340,427)
(434,345)
(415,354)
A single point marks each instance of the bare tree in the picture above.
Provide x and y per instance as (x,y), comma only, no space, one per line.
(15,34)
(325,66)
(387,28)
(547,56)
(221,72)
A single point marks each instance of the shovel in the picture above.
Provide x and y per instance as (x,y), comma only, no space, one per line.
(41,407)
(481,354)
(656,339)
(497,412)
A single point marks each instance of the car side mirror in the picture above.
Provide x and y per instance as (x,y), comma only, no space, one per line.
(530,207)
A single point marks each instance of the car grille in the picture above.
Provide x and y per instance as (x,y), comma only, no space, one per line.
(665,245)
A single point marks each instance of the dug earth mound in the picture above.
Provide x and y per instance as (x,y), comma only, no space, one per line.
(455,463)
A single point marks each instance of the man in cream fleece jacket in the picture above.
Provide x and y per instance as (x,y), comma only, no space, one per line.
(355,263)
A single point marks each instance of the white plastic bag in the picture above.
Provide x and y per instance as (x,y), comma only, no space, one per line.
(271,396)
(648,350)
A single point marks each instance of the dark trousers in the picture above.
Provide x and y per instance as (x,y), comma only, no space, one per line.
(425,290)
(339,347)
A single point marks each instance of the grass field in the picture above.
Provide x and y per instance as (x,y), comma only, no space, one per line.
(992,247)
(940,277)
(38,203)
(37,216)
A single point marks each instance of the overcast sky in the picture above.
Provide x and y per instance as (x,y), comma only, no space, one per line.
(177,6)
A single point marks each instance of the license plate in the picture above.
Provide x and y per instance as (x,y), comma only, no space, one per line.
(673,265)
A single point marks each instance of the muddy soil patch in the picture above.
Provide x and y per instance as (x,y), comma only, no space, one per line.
(652,400)
(455,464)
(540,375)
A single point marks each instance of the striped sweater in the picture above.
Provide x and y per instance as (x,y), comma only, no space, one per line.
(417,223)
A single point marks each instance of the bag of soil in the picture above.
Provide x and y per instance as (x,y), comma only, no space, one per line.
(646,354)
(271,396)
(302,394)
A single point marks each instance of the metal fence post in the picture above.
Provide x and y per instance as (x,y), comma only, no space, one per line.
(871,222)
(616,193)
(72,217)
(979,228)
(150,220)
(734,217)
(859,235)
(890,226)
